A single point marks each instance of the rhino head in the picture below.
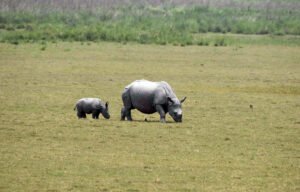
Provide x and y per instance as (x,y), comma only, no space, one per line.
(105,111)
(174,108)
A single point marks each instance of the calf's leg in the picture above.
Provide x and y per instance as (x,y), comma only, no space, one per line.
(95,115)
(81,114)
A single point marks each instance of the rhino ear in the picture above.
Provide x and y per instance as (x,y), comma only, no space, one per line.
(182,100)
(106,104)
(170,100)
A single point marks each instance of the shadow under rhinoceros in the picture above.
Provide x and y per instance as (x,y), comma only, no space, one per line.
(151,121)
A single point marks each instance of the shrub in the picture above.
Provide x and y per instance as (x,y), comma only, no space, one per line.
(2,26)
(203,42)
(279,33)
(220,42)
(189,42)
(10,28)
(175,43)
(15,42)
(192,25)
(217,29)
(202,29)
(79,36)
(200,43)
(29,27)
(102,35)
(144,38)
(20,26)
(239,30)
(162,42)
(145,25)
(262,31)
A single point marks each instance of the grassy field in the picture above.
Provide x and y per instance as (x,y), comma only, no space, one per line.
(221,145)
(146,22)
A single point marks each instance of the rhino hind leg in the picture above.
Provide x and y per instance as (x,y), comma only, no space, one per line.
(81,114)
(126,112)
(123,114)
(128,115)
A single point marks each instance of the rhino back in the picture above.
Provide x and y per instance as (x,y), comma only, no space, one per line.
(145,94)
(88,105)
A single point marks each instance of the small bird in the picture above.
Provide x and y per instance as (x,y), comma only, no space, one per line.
(146,119)
(251,107)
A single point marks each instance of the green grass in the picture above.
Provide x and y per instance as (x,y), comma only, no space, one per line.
(145,24)
(222,145)
(240,39)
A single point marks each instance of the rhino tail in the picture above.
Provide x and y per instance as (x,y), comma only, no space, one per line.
(75,107)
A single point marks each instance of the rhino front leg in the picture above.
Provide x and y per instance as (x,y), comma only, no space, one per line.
(161,112)
(95,115)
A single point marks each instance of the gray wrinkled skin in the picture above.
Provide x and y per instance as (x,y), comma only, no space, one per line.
(92,106)
(150,97)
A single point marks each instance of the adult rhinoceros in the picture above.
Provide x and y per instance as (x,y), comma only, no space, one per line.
(150,97)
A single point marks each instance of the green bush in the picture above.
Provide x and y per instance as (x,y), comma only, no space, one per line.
(91,35)
(2,26)
(10,28)
(167,25)
(144,38)
(14,42)
(43,48)
(20,26)
(203,42)
(220,42)
(29,27)
(280,33)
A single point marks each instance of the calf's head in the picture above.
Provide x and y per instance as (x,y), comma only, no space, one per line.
(105,111)
(174,108)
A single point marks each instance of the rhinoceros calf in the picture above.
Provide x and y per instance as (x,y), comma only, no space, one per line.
(150,97)
(92,105)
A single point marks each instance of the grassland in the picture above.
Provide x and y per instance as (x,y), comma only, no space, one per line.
(146,22)
(222,145)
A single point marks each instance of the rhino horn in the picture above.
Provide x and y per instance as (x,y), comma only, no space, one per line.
(182,100)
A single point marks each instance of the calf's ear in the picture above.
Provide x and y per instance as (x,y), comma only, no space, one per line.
(106,104)
(182,100)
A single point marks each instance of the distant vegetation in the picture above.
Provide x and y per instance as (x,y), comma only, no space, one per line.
(159,22)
